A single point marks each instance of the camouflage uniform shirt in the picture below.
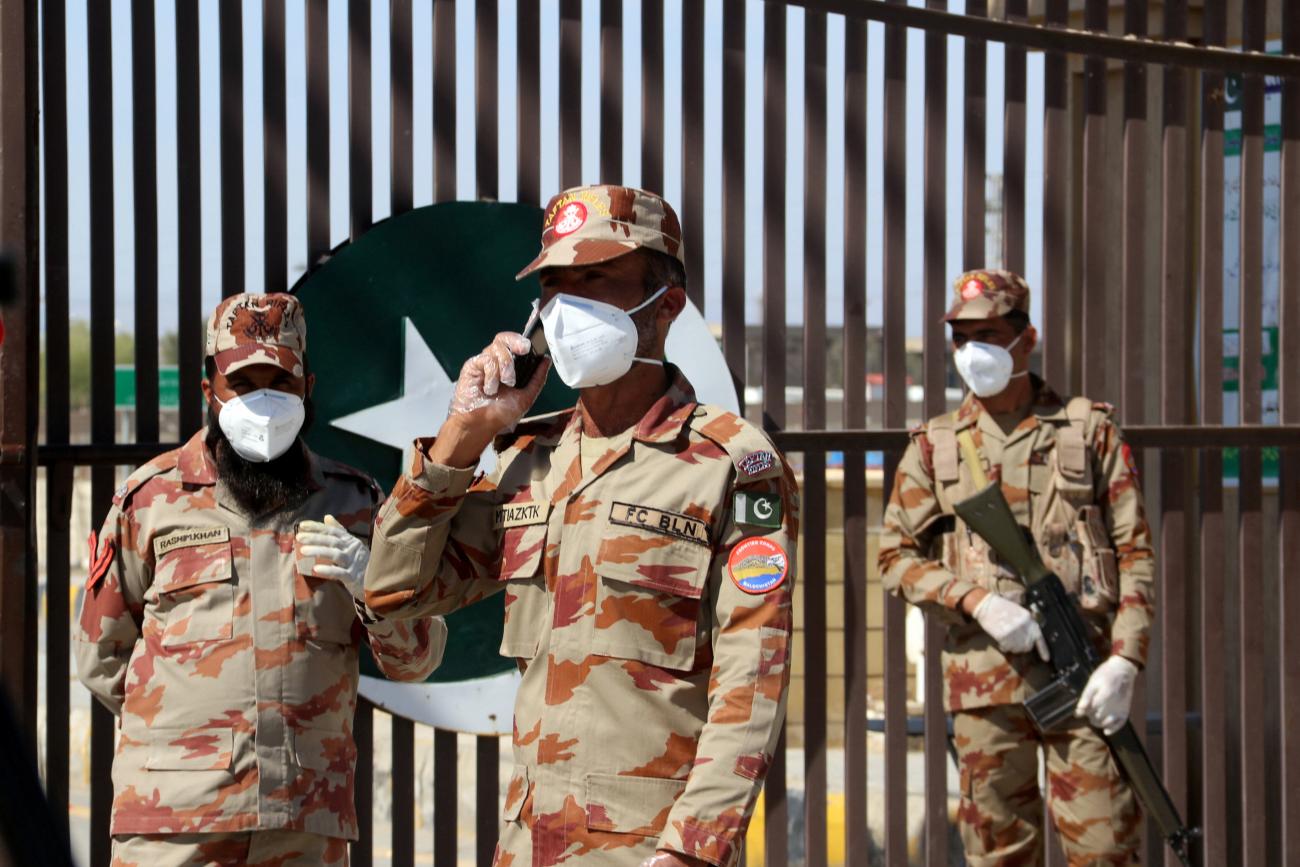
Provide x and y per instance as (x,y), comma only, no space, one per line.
(232,671)
(654,685)
(1070,480)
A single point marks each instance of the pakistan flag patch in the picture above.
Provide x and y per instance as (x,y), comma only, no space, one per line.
(758,510)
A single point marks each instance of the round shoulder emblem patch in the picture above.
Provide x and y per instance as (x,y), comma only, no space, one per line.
(758,565)
(972,290)
(572,218)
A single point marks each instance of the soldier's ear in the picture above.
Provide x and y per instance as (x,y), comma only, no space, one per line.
(1028,339)
(311,383)
(672,303)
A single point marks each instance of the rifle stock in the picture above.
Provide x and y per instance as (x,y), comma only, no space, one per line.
(1073,658)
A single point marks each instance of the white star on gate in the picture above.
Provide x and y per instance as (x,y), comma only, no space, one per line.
(419,412)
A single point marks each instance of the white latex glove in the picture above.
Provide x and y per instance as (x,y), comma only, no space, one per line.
(344,555)
(1109,695)
(482,377)
(1011,625)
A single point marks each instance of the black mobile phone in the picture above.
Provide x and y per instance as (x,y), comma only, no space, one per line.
(526,364)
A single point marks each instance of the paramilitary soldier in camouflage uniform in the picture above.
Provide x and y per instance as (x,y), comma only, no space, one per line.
(645,546)
(1070,481)
(226,647)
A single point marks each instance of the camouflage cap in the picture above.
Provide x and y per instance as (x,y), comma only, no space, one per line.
(258,329)
(587,225)
(987,294)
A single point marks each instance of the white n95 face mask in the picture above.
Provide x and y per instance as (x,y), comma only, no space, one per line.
(986,367)
(262,424)
(592,343)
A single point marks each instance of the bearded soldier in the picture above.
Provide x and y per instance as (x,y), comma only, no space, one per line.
(222,619)
(1071,483)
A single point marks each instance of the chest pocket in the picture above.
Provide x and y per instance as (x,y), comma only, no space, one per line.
(195,581)
(323,609)
(649,596)
(526,599)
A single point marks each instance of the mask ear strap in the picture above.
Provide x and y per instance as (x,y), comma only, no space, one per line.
(648,301)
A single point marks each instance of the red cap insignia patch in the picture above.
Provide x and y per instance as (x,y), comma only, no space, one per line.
(758,565)
(972,290)
(98,564)
(572,218)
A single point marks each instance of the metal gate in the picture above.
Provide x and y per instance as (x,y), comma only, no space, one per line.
(1125,177)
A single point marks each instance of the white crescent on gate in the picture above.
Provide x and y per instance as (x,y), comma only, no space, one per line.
(485,706)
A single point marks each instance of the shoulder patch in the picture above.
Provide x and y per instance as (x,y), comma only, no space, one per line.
(758,565)
(156,467)
(99,562)
(750,450)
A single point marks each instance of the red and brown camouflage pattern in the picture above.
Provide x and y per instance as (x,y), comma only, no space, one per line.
(1001,813)
(654,688)
(244,849)
(588,225)
(987,294)
(233,671)
(252,329)
(1092,530)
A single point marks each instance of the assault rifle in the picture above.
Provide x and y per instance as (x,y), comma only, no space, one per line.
(1073,659)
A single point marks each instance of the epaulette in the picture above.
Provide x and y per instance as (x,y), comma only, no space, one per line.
(550,424)
(331,467)
(749,448)
(155,467)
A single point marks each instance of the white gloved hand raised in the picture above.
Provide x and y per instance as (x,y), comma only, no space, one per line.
(1012,626)
(344,556)
(1109,694)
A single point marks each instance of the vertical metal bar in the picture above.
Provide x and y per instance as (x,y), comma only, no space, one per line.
(692,212)
(1254,722)
(318,130)
(1056,193)
(360,207)
(814,418)
(1214,696)
(99,62)
(231,28)
(445,793)
(145,211)
(275,169)
(58,479)
(401,144)
(934,363)
(189,220)
(974,169)
(529,89)
(611,91)
(1289,406)
(571,93)
(652,90)
(444,100)
(1175,360)
(486,760)
(856,846)
(487,153)
(774,340)
(1096,227)
(401,198)
(1133,372)
(487,162)
(1013,151)
(733,188)
(895,415)
(361,214)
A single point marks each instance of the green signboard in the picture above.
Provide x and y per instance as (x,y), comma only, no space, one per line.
(169,387)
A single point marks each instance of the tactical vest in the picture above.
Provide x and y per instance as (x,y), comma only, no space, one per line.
(1064,517)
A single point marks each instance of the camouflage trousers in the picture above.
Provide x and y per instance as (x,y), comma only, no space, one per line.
(253,848)
(1001,816)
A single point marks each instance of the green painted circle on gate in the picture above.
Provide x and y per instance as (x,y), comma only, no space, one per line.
(443,276)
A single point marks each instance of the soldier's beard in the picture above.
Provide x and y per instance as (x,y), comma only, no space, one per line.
(263,488)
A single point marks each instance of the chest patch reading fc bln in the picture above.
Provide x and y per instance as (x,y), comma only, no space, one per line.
(659,521)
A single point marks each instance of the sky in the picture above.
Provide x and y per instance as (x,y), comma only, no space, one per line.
(552,139)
